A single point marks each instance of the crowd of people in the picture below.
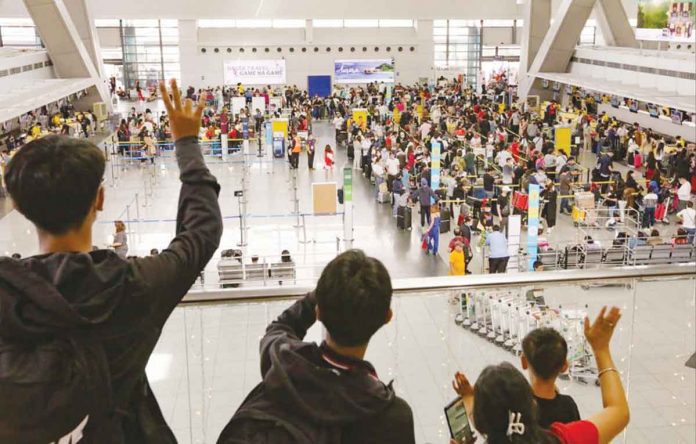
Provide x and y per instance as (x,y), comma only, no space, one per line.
(490,149)
(104,314)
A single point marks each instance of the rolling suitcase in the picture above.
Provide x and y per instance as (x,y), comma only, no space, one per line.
(445,218)
(384,197)
(403,218)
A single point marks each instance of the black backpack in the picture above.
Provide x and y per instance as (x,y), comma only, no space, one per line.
(56,391)
(262,421)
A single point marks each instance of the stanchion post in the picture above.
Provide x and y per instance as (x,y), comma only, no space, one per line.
(137,213)
(128,229)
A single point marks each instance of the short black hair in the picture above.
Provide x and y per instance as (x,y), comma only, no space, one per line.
(353,295)
(546,351)
(53,181)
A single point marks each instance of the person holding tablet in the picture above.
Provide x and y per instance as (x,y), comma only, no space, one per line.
(502,407)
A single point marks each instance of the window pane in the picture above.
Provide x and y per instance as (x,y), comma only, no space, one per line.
(498,23)
(254,23)
(395,23)
(169,23)
(439,31)
(16,22)
(107,23)
(142,23)
(217,23)
(361,23)
(290,23)
(327,23)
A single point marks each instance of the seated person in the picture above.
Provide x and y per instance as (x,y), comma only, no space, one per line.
(681,237)
(544,356)
(326,393)
(655,238)
(502,407)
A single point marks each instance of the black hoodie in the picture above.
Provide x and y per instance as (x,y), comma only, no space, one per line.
(322,396)
(122,303)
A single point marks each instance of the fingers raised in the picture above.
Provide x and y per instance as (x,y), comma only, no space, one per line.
(165,97)
(176,94)
(200,108)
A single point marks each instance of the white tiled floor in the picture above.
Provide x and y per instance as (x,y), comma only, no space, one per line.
(209,355)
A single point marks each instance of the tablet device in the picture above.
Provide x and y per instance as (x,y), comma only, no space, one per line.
(458,422)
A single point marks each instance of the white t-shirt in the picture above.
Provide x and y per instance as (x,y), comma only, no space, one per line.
(684,191)
(688,217)
(393,166)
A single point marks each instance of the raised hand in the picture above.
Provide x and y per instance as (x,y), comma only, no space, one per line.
(462,386)
(599,333)
(183,118)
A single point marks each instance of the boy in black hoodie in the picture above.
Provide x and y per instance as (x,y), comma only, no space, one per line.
(325,394)
(71,295)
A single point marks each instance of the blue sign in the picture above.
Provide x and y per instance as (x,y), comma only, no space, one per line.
(245,128)
(269,133)
(435,165)
(533,224)
(364,71)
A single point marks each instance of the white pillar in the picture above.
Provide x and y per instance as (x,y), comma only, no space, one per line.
(188,54)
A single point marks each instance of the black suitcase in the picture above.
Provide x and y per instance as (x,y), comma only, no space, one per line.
(403,218)
(444,220)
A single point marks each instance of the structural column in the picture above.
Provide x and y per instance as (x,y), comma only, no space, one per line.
(188,53)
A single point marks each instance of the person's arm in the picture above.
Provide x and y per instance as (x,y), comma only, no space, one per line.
(465,390)
(291,325)
(168,276)
(614,417)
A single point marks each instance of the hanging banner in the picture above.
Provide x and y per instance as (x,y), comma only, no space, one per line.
(435,166)
(364,71)
(254,72)
(533,225)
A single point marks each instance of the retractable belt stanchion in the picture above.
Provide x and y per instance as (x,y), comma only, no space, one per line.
(223,146)
(347,207)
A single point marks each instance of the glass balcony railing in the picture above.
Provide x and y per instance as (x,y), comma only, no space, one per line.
(207,359)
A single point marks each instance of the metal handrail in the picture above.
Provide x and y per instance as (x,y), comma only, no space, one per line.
(445,283)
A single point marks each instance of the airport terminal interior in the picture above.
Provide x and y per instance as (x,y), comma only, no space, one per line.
(515,165)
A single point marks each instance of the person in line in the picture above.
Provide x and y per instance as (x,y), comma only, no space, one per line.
(120,244)
(683,193)
(550,210)
(503,409)
(424,195)
(326,393)
(295,153)
(69,293)
(457,260)
(328,158)
(311,148)
(432,234)
(498,251)
(687,218)
(545,356)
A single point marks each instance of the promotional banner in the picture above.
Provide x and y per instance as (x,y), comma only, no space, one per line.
(533,225)
(360,117)
(435,166)
(666,20)
(364,71)
(254,72)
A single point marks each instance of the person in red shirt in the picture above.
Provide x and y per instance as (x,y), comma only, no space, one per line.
(515,149)
(502,408)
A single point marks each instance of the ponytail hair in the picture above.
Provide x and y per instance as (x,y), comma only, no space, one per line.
(500,393)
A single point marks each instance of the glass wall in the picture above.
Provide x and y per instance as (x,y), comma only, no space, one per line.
(150,51)
(207,359)
(458,47)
